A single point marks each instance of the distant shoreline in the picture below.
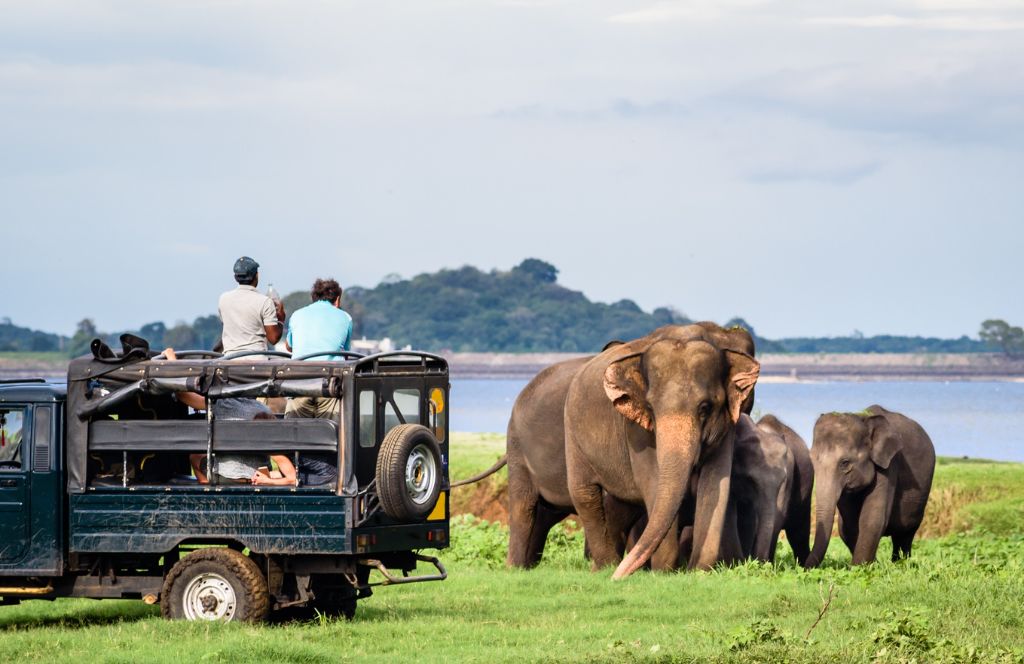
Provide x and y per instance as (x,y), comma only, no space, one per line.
(775,367)
(787,368)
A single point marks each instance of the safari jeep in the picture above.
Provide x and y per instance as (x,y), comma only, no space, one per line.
(98,497)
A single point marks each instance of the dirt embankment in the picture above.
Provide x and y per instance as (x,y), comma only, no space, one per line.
(487,499)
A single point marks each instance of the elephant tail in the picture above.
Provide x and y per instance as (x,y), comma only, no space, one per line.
(498,465)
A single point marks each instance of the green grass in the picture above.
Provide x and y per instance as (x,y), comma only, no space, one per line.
(957,596)
(34,358)
(957,599)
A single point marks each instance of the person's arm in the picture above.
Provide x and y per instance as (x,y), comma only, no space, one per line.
(287,468)
(190,399)
(273,320)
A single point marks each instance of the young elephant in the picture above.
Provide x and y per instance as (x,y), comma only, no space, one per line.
(762,471)
(798,516)
(877,468)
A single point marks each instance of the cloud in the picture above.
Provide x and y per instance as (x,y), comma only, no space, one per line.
(158,86)
(685,10)
(956,23)
(840,176)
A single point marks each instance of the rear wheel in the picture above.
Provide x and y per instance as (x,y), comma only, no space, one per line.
(215,584)
(409,472)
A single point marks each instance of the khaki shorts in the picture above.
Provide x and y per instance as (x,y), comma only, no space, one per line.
(325,407)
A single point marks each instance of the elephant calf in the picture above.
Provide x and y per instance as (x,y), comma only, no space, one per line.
(762,472)
(877,468)
(798,515)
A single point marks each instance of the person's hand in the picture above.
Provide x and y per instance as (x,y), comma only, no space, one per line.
(259,478)
(169,354)
(280,311)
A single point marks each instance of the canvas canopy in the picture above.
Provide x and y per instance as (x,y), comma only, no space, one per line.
(100,386)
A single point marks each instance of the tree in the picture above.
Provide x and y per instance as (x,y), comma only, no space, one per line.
(1000,334)
(154,334)
(80,343)
(538,269)
(180,336)
(207,330)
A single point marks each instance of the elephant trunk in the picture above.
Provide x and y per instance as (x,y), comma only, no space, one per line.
(678,444)
(826,496)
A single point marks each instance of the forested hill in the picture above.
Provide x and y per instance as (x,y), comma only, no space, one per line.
(520,310)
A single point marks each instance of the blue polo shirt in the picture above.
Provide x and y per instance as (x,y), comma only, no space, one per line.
(319,327)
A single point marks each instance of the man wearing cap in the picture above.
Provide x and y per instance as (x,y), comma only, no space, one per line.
(252,321)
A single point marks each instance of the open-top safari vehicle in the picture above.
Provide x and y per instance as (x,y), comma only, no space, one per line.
(98,499)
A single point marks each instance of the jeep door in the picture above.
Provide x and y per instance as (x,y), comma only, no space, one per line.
(15,484)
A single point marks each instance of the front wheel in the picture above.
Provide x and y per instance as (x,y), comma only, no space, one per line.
(215,584)
(409,472)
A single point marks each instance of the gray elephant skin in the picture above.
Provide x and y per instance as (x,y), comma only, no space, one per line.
(762,472)
(876,467)
(538,486)
(641,419)
(797,523)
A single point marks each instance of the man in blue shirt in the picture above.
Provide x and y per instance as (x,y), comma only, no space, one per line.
(317,328)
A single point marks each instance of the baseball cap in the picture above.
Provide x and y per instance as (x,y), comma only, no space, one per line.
(246,267)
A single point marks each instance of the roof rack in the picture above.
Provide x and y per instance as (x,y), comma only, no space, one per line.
(17,381)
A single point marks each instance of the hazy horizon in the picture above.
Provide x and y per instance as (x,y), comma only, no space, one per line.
(816,169)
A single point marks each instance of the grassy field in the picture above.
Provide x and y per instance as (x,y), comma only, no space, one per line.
(958,599)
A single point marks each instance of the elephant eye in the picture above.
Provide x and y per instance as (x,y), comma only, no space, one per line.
(844,464)
(703,410)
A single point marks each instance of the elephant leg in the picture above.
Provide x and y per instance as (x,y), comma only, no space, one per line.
(849,522)
(901,544)
(523,498)
(731,550)
(798,531)
(709,523)
(666,556)
(545,518)
(874,513)
(746,526)
(621,517)
(685,546)
(590,509)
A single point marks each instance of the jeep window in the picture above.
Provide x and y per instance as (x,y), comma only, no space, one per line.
(367,418)
(12,423)
(402,408)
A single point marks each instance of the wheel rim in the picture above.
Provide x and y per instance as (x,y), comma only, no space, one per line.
(420,474)
(209,596)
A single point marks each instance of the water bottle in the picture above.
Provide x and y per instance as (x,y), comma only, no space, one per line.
(272,293)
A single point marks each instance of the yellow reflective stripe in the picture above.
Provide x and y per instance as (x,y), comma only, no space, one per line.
(439,509)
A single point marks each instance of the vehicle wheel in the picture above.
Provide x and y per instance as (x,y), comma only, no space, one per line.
(409,472)
(215,584)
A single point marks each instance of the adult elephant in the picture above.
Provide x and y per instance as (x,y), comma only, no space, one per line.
(798,516)
(535,446)
(876,467)
(640,419)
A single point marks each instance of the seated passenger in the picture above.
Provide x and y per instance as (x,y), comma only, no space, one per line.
(239,468)
(321,327)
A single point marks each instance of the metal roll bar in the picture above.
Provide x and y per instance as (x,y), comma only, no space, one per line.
(249,353)
(347,354)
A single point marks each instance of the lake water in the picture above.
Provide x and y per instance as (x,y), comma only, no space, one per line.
(975,419)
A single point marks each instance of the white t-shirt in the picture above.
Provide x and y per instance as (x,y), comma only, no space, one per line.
(245,311)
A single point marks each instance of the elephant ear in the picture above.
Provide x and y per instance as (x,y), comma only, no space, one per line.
(743,373)
(626,387)
(885,441)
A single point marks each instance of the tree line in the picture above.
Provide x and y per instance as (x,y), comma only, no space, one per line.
(524,309)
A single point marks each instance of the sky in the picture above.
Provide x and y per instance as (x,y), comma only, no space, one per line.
(816,168)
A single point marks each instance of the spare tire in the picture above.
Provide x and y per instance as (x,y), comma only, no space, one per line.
(409,472)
